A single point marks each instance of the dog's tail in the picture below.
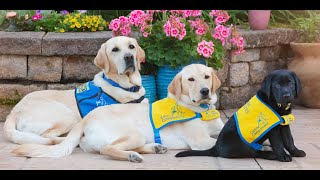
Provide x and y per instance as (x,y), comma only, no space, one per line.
(59,150)
(19,137)
(209,152)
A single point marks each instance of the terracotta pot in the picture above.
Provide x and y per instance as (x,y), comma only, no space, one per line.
(306,65)
(258,19)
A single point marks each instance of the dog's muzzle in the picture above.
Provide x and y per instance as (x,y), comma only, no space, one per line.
(129,61)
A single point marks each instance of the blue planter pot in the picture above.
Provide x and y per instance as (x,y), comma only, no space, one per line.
(149,83)
(165,76)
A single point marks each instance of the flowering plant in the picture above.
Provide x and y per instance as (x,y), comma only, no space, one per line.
(65,21)
(82,22)
(178,37)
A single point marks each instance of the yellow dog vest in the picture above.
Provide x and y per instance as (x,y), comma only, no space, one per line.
(167,111)
(255,119)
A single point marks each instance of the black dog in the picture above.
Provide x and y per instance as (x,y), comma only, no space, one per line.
(278,90)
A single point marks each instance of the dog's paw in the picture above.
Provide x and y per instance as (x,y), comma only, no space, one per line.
(298,153)
(285,158)
(135,157)
(160,149)
(145,100)
(142,91)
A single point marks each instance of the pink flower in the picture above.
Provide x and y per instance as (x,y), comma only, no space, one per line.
(200,47)
(173,27)
(223,41)
(216,35)
(150,11)
(225,15)
(206,52)
(36,17)
(240,41)
(239,51)
(187,13)
(183,33)
(114,24)
(200,31)
(225,33)
(124,31)
(196,13)
(145,34)
(136,17)
(210,44)
(205,48)
(219,28)
(219,20)
(193,24)
(167,28)
(213,13)
(177,11)
(124,19)
(174,32)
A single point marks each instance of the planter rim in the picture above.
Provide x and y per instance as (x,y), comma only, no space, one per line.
(304,44)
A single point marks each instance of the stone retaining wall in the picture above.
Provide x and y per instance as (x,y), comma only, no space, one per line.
(31,61)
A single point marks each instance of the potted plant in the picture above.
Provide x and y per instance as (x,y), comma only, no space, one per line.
(258,19)
(175,38)
(306,62)
(148,72)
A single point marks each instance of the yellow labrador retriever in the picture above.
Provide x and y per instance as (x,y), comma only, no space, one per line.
(42,116)
(123,131)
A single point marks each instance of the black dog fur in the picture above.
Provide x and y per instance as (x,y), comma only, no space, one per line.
(280,86)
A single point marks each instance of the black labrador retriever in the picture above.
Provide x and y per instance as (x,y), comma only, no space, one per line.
(278,90)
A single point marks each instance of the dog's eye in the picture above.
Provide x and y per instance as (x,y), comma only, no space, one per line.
(291,84)
(115,49)
(277,85)
(131,46)
(190,79)
(206,77)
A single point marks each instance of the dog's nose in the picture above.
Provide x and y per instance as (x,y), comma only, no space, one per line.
(204,91)
(128,57)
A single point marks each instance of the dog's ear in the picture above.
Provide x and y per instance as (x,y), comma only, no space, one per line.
(175,86)
(101,60)
(140,55)
(266,85)
(297,83)
(216,83)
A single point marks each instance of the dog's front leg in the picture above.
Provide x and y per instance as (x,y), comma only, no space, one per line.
(196,135)
(277,145)
(289,143)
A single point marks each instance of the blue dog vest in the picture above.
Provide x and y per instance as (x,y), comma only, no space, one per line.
(90,96)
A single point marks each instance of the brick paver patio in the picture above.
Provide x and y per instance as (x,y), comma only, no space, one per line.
(306,132)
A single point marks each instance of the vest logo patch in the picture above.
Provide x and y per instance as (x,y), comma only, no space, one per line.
(101,102)
(83,87)
(262,122)
(176,112)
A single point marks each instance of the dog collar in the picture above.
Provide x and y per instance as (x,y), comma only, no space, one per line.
(286,108)
(132,89)
(287,119)
(209,114)
(205,106)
